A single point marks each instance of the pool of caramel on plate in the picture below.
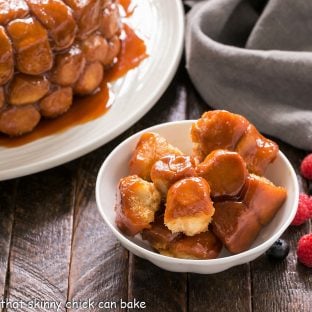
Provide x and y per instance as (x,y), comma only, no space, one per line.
(88,108)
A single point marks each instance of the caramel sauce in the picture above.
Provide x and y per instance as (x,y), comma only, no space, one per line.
(127,6)
(84,109)
(132,53)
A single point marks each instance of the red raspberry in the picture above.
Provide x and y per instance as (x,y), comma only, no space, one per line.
(306,167)
(304,250)
(304,210)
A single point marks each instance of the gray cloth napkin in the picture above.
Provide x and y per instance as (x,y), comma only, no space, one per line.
(257,65)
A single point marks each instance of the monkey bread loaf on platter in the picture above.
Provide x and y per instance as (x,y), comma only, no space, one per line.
(51,50)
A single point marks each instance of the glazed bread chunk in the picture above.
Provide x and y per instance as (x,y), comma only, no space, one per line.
(114,47)
(57,18)
(30,40)
(90,79)
(263,197)
(56,103)
(87,15)
(158,235)
(2,99)
(139,200)
(11,10)
(217,129)
(201,246)
(170,169)
(27,89)
(257,151)
(189,208)
(235,225)
(95,48)
(68,67)
(225,172)
(110,21)
(6,57)
(18,120)
(150,148)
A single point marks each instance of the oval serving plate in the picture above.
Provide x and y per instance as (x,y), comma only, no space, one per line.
(161,24)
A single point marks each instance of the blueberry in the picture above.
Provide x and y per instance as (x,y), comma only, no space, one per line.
(279,250)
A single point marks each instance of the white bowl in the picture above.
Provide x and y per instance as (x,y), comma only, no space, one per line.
(177,133)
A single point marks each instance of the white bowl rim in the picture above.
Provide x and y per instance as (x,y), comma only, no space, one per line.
(232,258)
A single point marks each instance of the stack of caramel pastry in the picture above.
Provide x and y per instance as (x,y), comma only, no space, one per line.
(49,51)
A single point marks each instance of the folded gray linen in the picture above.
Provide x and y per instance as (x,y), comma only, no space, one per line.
(257,65)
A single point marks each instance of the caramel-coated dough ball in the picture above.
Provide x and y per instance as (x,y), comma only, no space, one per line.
(31,42)
(158,235)
(19,120)
(56,103)
(263,197)
(225,172)
(189,208)
(235,225)
(150,148)
(2,97)
(6,57)
(139,200)
(217,129)
(198,247)
(257,151)
(170,169)
(25,89)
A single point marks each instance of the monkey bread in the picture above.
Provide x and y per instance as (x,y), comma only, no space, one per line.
(51,50)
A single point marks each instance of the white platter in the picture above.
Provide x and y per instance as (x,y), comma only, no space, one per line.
(161,24)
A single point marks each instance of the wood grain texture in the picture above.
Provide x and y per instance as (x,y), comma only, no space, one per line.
(7,205)
(41,239)
(222,292)
(170,107)
(285,286)
(99,265)
(160,290)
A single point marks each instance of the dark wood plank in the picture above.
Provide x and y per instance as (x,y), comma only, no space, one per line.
(222,292)
(7,205)
(161,290)
(285,286)
(40,247)
(99,265)
(170,107)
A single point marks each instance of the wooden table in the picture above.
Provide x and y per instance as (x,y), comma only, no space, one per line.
(56,247)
